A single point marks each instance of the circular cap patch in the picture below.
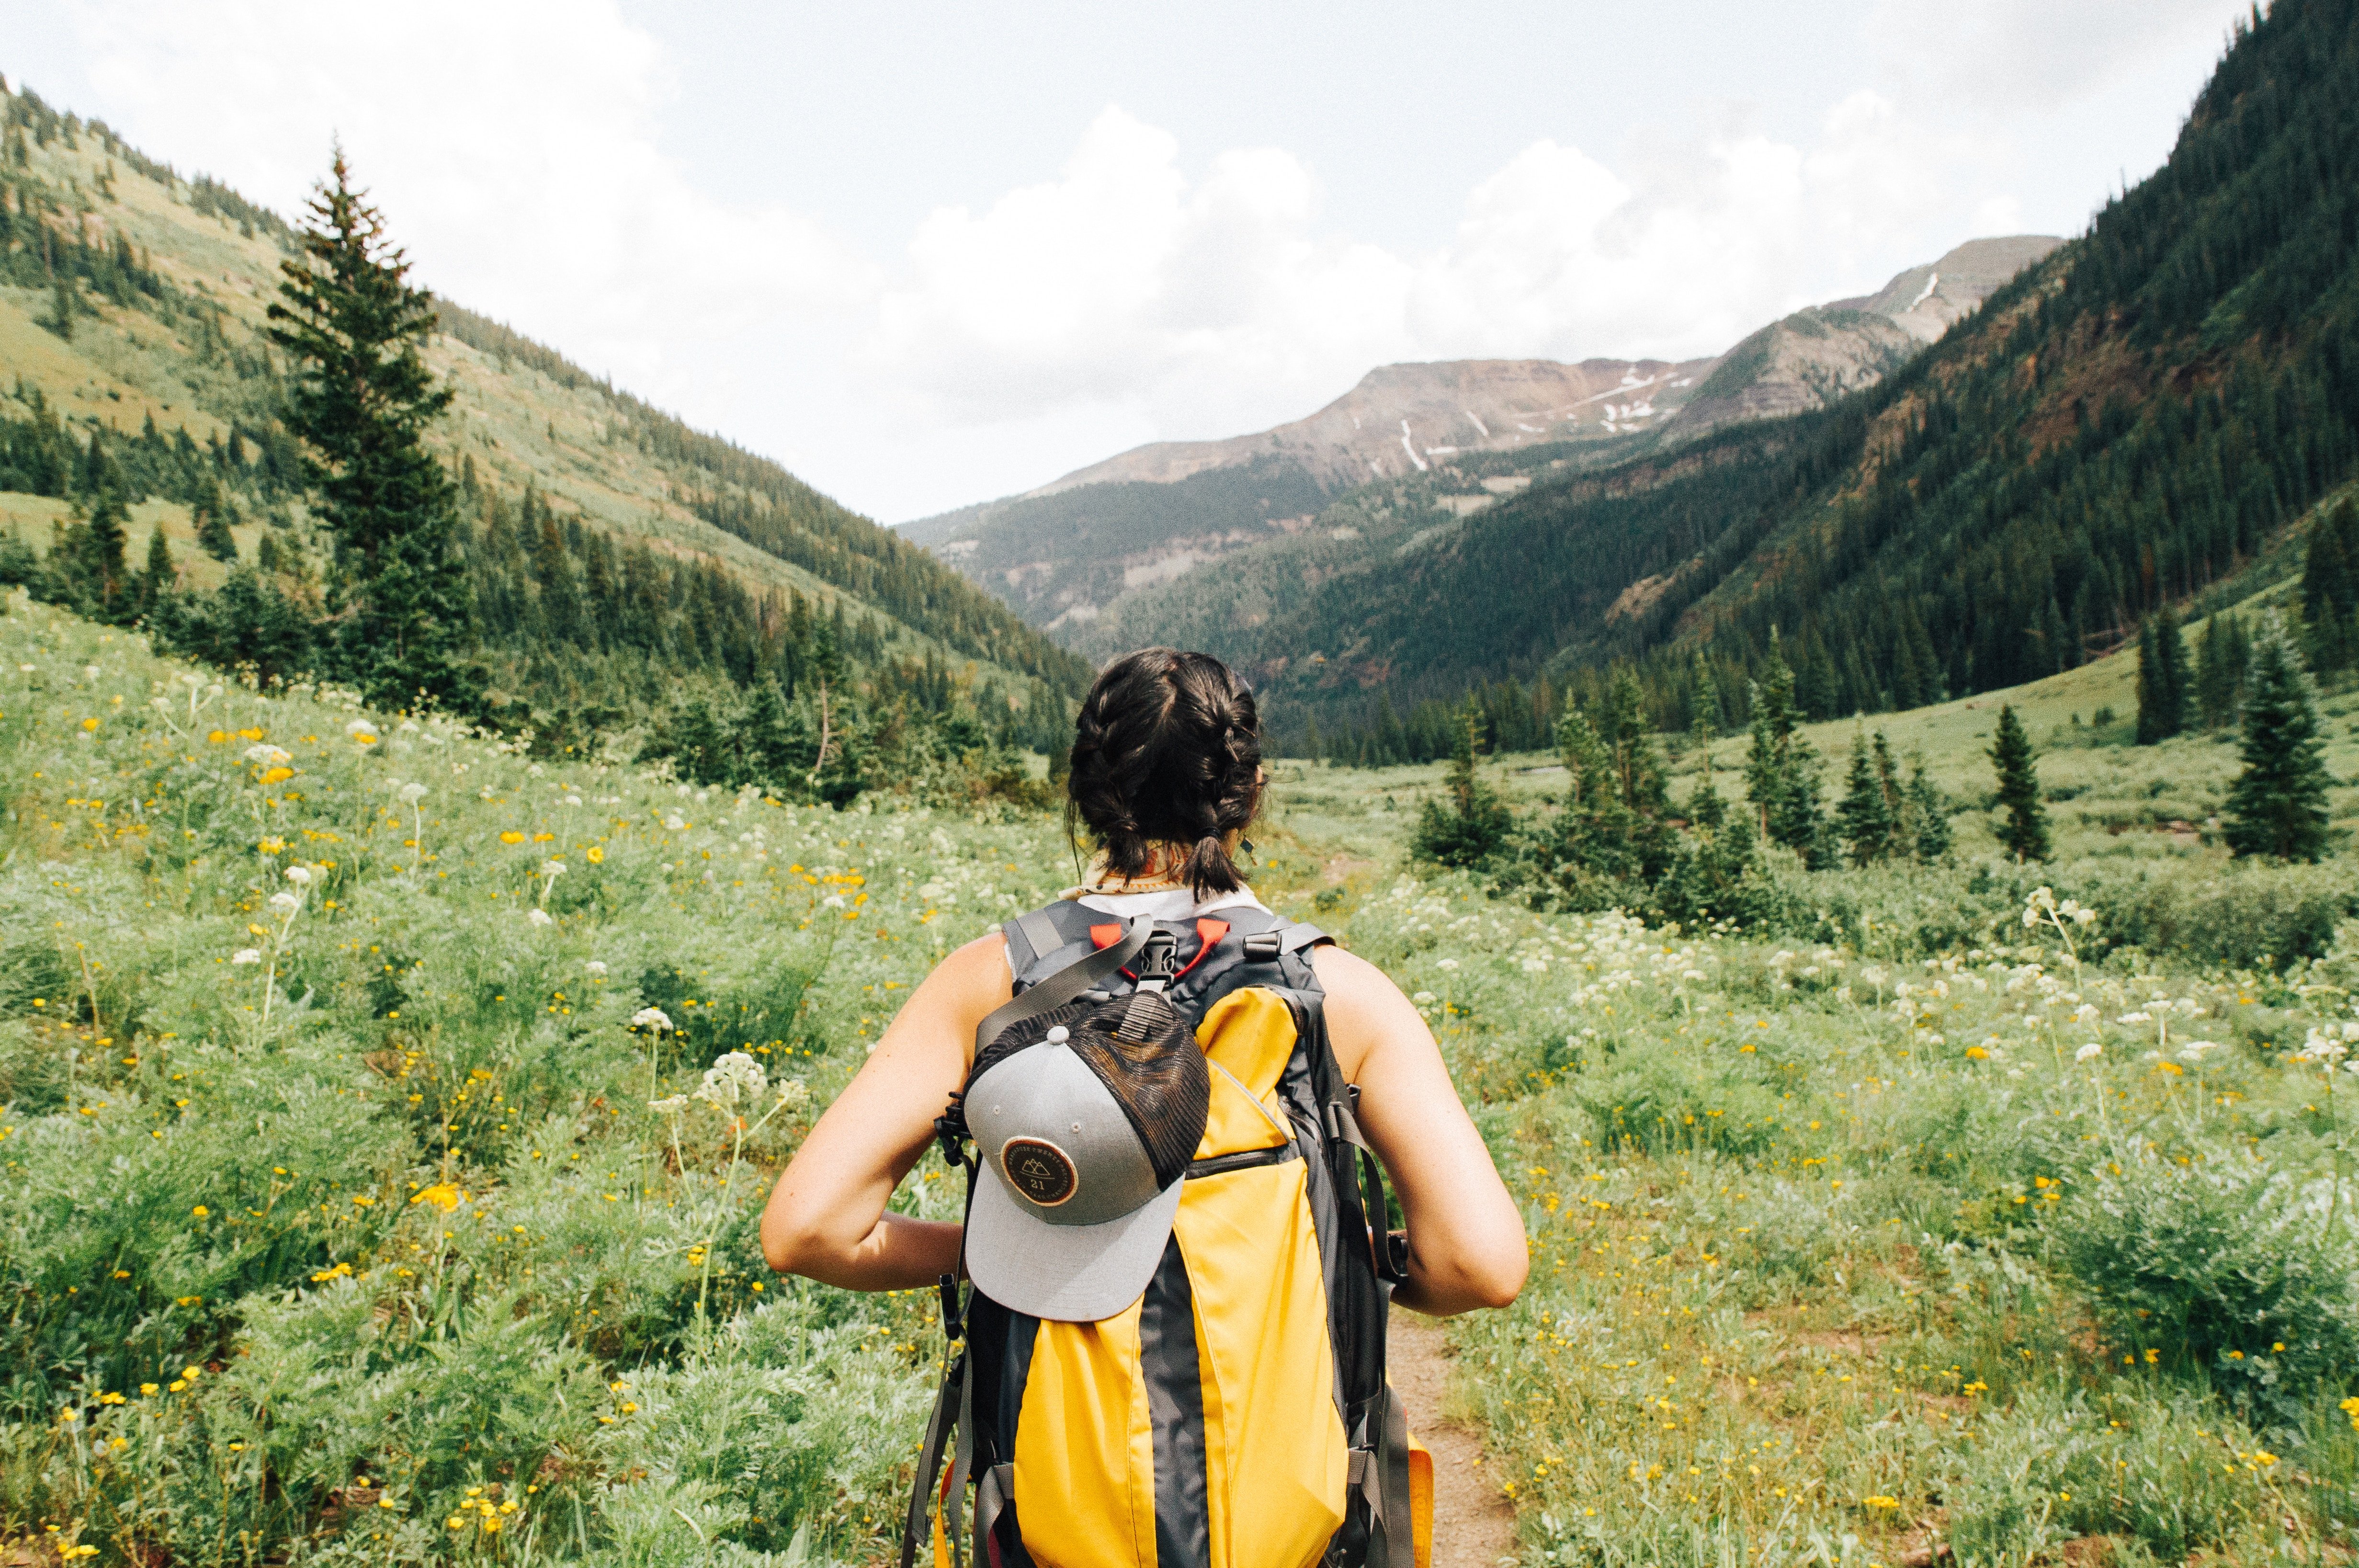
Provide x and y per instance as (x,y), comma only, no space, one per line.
(1038,1169)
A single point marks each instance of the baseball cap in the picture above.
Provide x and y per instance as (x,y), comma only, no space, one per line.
(1086,1117)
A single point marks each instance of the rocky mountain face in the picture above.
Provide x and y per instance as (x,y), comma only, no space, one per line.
(1456,434)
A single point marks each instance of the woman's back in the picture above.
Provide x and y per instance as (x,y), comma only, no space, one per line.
(1174,1340)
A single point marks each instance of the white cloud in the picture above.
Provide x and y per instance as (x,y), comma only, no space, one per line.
(1212,305)
(513,145)
(1142,291)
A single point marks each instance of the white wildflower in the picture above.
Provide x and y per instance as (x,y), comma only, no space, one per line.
(540,917)
(359,727)
(1447,964)
(734,1077)
(246,956)
(674,824)
(595,966)
(1424,998)
(286,903)
(299,875)
(654,1018)
(2089,1052)
(2194,1048)
(413,793)
(552,869)
(268,755)
(794,1094)
(670,1104)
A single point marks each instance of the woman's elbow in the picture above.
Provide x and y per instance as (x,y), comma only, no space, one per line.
(789,1246)
(1496,1280)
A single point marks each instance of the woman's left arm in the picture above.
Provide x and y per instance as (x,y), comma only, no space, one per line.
(1465,1238)
(827,1218)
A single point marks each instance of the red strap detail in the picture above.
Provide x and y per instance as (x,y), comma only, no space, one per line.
(1105,936)
(1208,932)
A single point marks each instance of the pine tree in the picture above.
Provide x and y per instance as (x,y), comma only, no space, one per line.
(1591,778)
(361,403)
(1864,815)
(2025,831)
(1928,814)
(2278,805)
(1705,807)
(159,577)
(212,518)
(1781,775)
(1638,770)
(62,308)
(1474,824)
(2162,683)
(107,591)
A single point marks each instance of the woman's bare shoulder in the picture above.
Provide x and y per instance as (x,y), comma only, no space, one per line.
(974,971)
(1348,978)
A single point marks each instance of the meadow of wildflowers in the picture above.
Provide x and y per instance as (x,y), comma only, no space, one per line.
(386,1117)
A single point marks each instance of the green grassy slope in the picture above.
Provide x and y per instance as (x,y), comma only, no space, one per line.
(189,356)
(322,1252)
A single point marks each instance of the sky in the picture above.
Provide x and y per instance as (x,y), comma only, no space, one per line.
(926,254)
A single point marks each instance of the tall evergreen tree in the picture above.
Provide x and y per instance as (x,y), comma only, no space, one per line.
(2025,831)
(1474,823)
(212,518)
(1705,807)
(1869,814)
(2278,805)
(361,402)
(2162,680)
(1781,770)
(159,577)
(1928,815)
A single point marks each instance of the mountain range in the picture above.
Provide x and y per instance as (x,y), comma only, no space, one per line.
(1115,535)
(2144,418)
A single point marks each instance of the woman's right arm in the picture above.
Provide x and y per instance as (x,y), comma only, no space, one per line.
(827,1218)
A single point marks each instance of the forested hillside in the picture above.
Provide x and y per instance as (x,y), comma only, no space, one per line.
(1184,542)
(622,569)
(2123,425)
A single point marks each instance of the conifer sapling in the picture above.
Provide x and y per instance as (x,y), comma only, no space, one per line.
(2025,831)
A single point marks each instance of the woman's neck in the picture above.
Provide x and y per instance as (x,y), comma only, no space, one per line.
(1160,873)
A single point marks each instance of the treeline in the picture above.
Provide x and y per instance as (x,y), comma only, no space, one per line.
(768,507)
(581,636)
(2119,428)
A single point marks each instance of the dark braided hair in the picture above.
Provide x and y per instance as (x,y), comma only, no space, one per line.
(1167,750)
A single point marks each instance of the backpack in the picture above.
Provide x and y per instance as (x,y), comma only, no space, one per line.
(1237,1414)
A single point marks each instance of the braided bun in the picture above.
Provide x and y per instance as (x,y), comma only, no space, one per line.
(1167,750)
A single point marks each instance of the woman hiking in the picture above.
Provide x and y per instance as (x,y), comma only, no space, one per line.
(1171,1103)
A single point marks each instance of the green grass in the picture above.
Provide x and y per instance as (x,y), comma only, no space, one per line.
(1839,1254)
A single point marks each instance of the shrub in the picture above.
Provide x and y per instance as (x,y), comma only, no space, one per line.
(2227,1268)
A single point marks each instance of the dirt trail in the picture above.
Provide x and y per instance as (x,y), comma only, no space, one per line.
(1472,1525)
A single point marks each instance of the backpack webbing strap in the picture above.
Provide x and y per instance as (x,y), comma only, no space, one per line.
(961,1462)
(1389,1247)
(1398,1529)
(1030,938)
(929,1458)
(1263,946)
(1063,986)
(994,1489)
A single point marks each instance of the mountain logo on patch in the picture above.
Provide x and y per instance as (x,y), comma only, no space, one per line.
(1038,1169)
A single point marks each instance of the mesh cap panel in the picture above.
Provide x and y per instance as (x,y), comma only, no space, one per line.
(1160,1081)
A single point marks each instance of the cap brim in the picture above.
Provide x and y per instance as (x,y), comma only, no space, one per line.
(1065,1273)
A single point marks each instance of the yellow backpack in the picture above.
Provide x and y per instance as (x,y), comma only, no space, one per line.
(1236,1415)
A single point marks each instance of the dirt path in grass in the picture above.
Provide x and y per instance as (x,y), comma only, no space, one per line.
(1472,1525)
